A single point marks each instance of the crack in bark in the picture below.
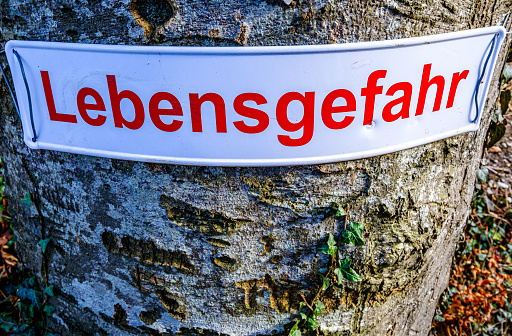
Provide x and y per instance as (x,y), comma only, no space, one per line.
(146,251)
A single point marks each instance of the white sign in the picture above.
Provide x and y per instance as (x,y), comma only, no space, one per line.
(252,106)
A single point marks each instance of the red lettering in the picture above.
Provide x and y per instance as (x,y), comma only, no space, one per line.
(298,129)
(98,105)
(250,112)
(457,77)
(425,85)
(115,101)
(370,91)
(51,103)
(195,110)
(328,109)
(155,112)
(307,121)
(405,100)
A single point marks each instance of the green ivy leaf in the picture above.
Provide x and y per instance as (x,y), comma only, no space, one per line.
(439,318)
(30,282)
(331,248)
(345,263)
(6,326)
(301,304)
(44,243)
(24,329)
(295,333)
(28,294)
(339,275)
(31,311)
(357,230)
(347,272)
(507,72)
(325,283)
(347,237)
(303,316)
(319,308)
(312,324)
(49,310)
(351,275)
(504,100)
(495,133)
(27,200)
(354,235)
(295,330)
(482,174)
(49,290)
(341,212)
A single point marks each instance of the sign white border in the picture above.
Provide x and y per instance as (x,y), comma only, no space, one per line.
(35,54)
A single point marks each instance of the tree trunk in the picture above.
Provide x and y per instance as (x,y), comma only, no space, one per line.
(139,248)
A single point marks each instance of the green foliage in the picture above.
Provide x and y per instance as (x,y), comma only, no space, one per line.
(482,174)
(319,308)
(507,72)
(2,194)
(504,101)
(25,307)
(49,290)
(354,235)
(495,133)
(44,243)
(27,200)
(339,275)
(330,248)
(341,212)
(347,272)
(295,330)
(49,310)
(498,122)
(312,324)
(27,292)
(325,282)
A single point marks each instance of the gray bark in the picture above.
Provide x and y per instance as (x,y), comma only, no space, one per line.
(142,248)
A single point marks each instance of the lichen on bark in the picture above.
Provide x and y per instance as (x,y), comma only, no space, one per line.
(141,248)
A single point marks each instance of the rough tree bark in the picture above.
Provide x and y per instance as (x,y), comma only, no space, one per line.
(143,248)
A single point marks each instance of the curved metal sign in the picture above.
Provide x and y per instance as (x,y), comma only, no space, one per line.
(252,106)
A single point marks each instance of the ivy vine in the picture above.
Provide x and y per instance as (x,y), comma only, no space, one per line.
(341,269)
(25,306)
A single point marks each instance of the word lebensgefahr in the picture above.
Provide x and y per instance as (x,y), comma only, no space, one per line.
(189,113)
